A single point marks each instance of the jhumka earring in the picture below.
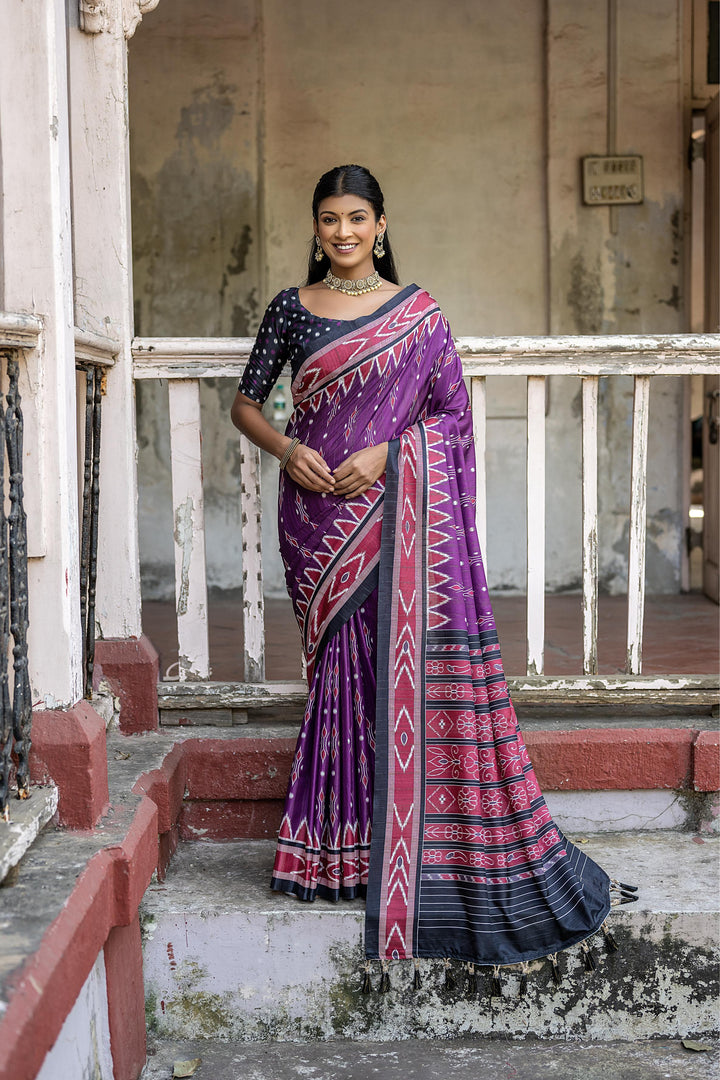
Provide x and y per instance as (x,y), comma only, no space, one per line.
(379,250)
(319,253)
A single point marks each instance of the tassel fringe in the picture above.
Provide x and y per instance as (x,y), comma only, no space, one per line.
(610,942)
(624,894)
(588,957)
(620,893)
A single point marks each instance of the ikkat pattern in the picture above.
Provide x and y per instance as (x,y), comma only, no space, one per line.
(324,841)
(466,861)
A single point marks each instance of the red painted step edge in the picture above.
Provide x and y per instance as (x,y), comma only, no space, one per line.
(166,786)
(235,788)
(126,1000)
(591,759)
(131,667)
(231,819)
(706,761)
(69,747)
(47,985)
(615,759)
(238,769)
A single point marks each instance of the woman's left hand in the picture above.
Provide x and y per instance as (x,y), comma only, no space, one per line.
(360,471)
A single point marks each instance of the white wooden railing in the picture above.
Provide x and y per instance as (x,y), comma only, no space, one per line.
(185,361)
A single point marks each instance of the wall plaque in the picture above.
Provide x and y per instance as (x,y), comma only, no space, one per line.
(612,179)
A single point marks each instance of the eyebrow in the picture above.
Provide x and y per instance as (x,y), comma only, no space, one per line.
(361,210)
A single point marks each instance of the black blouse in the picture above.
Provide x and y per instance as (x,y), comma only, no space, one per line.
(285,333)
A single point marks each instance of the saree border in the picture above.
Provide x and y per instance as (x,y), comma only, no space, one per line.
(301,395)
(395,878)
(325,613)
(511,887)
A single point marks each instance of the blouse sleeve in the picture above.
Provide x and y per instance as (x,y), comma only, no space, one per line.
(269,353)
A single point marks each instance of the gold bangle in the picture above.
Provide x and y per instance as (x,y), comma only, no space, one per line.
(289,451)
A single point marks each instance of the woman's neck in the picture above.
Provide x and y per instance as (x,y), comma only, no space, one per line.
(353,273)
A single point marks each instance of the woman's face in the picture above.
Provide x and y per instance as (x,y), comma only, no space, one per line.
(347,229)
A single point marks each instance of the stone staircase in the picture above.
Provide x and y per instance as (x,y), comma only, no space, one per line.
(230,964)
(435,1059)
(226,958)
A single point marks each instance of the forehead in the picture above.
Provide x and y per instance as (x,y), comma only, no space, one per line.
(343,205)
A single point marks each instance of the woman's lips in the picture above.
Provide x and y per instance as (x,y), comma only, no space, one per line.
(344,248)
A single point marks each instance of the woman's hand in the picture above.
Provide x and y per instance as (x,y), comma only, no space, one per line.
(307,468)
(360,471)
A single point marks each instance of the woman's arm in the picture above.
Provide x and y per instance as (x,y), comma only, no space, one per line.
(306,466)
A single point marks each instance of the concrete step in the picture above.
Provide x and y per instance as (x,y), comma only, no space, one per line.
(25,820)
(227,958)
(461,1059)
(597,774)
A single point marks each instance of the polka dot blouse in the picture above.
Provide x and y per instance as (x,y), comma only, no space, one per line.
(287,334)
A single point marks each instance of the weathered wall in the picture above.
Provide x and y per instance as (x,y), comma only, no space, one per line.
(194,89)
(82,1049)
(474,117)
(628,282)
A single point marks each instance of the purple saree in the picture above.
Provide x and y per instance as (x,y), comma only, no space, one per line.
(411,783)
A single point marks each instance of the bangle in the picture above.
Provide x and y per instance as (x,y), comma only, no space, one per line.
(289,451)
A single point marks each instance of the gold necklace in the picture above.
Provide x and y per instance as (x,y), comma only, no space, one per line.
(353,287)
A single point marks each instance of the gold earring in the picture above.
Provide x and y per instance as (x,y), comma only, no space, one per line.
(319,253)
(379,250)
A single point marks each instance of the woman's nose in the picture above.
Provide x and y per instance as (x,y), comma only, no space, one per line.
(343,228)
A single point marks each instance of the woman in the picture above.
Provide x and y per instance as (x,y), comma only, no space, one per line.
(411,784)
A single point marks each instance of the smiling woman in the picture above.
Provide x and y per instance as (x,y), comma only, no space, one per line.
(411,784)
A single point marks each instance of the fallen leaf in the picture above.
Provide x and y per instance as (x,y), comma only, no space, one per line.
(582,840)
(689,1044)
(185,1068)
(120,755)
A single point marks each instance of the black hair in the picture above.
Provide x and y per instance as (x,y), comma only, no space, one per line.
(350,180)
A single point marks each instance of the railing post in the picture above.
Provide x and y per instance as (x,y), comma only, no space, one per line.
(94,522)
(590,524)
(189,528)
(253,602)
(90,519)
(183,361)
(17,547)
(478,406)
(6,725)
(638,524)
(535,524)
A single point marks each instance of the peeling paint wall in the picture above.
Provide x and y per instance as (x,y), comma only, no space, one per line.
(627,282)
(235,112)
(82,1049)
(194,90)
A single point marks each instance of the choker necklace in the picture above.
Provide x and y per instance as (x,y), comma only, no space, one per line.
(353,287)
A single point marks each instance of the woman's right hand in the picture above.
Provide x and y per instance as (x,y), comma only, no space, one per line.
(307,468)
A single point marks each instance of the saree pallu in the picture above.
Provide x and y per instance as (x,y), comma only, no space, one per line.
(408,711)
